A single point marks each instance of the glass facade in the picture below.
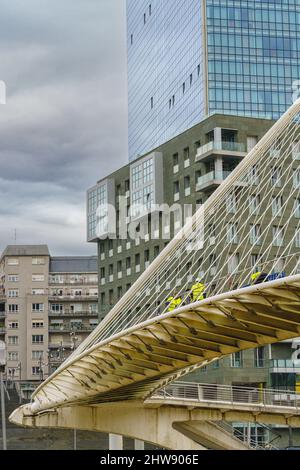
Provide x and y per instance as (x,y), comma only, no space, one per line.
(253,56)
(97,197)
(187,59)
(165,76)
(142,180)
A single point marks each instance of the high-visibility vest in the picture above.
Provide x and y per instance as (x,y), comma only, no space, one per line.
(174,303)
(198,291)
(255,276)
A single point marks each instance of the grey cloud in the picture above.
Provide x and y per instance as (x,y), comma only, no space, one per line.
(65,122)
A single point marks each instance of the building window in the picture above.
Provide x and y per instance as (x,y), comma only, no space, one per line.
(256,262)
(36,370)
(296,179)
(255,234)
(150,9)
(37,307)
(13,340)
(131,39)
(297,237)
(278,236)
(13,293)
(57,308)
(297,208)
(147,256)
(277,204)
(259,357)
(120,292)
(38,278)
(191,79)
(13,278)
(37,339)
(231,204)
(198,70)
(152,102)
(145,18)
(137,259)
(38,291)
(233,263)
(176,188)
(13,356)
(183,88)
(237,359)
(38,261)
(38,324)
(13,262)
(254,204)
(187,185)
(37,355)
(276,177)
(13,308)
(13,325)
(232,233)
(156,251)
(111,297)
(186,156)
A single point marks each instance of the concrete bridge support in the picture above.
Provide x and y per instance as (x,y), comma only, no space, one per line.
(169,427)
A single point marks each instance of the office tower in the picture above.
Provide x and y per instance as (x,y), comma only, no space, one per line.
(190,59)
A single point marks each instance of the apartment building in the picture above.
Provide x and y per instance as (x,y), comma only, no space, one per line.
(48,305)
(24,285)
(182,173)
(73,305)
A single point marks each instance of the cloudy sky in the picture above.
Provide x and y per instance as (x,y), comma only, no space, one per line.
(65,122)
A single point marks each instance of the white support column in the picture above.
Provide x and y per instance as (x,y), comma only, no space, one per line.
(218,134)
(139,445)
(115,442)
(219,168)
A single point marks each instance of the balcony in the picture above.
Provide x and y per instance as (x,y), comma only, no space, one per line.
(214,178)
(60,345)
(73,298)
(2,330)
(67,328)
(221,148)
(284,366)
(72,314)
(69,282)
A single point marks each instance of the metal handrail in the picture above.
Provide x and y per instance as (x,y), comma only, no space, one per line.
(227,394)
(252,443)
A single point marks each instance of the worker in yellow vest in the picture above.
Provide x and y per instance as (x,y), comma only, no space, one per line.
(258,278)
(198,291)
(174,302)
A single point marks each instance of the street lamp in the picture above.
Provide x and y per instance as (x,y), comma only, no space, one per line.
(2,369)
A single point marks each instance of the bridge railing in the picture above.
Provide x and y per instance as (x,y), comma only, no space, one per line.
(226,394)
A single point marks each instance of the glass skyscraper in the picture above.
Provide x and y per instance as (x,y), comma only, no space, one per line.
(191,58)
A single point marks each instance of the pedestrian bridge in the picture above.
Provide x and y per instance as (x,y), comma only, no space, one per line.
(183,415)
(250,224)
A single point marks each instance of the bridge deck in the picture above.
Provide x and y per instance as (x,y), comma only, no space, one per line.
(137,362)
